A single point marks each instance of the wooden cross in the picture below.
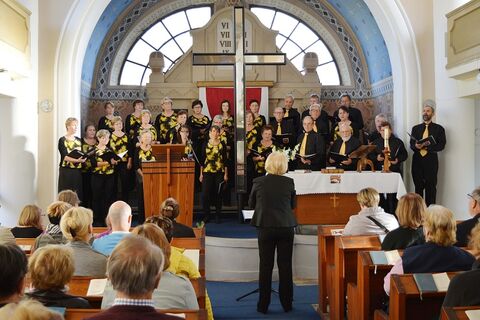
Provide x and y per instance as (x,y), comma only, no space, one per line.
(239,59)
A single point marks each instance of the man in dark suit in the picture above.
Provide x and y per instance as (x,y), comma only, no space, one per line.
(291,113)
(283,129)
(310,143)
(344,146)
(425,158)
(321,124)
(464,229)
(134,268)
(353,113)
(375,134)
(273,198)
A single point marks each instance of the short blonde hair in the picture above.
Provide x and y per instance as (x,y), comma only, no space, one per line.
(146,111)
(276,163)
(103,133)
(30,216)
(56,210)
(51,267)
(69,196)
(117,119)
(75,223)
(410,210)
(69,121)
(440,226)
(156,235)
(166,100)
(368,197)
(474,243)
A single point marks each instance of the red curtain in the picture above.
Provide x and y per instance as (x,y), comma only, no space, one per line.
(215,96)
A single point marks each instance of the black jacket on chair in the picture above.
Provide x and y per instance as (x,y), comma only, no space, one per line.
(273,198)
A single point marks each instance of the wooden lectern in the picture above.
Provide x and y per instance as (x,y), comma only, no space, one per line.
(169,176)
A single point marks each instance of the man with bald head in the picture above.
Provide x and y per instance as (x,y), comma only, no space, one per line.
(120,217)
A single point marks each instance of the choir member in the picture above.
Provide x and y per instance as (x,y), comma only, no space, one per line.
(311,153)
(213,173)
(321,124)
(143,152)
(314,99)
(227,119)
(119,144)
(174,133)
(283,129)
(344,146)
(258,120)
(103,164)
(227,139)
(198,123)
(344,119)
(166,120)
(70,174)
(147,125)
(262,149)
(88,143)
(290,112)
(355,114)
(105,122)
(379,119)
(252,136)
(134,120)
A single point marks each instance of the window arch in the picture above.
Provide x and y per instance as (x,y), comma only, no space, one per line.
(295,39)
(171,36)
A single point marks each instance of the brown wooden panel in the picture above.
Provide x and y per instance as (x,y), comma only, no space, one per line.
(80,314)
(326,208)
(456,313)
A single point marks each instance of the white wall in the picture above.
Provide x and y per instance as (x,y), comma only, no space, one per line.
(477,140)
(18,133)
(457,162)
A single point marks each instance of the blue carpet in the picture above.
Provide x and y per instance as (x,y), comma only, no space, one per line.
(230,228)
(223,295)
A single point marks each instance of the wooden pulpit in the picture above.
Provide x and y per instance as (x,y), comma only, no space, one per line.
(169,176)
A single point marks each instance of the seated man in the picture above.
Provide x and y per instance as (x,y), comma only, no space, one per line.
(311,152)
(120,217)
(341,148)
(134,269)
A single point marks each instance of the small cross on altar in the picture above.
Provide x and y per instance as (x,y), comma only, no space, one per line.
(334,198)
(239,59)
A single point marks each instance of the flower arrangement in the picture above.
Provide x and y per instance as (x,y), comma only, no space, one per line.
(289,153)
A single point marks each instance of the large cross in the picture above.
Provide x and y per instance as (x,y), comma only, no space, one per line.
(239,58)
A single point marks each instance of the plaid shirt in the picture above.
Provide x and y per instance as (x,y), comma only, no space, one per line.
(133,302)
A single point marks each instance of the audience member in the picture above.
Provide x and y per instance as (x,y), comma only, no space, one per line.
(53,234)
(6,236)
(410,211)
(371,219)
(171,209)
(69,196)
(76,225)
(463,290)
(29,225)
(13,268)
(438,253)
(173,292)
(50,269)
(120,217)
(134,268)
(28,310)
(464,228)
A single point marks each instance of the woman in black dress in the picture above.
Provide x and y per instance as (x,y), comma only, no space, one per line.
(252,136)
(29,224)
(258,120)
(273,198)
(105,122)
(227,119)
(213,173)
(134,120)
(199,124)
(261,150)
(166,120)
(174,133)
(143,153)
(119,144)
(70,172)
(88,143)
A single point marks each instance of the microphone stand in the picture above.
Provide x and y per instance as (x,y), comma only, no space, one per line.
(189,143)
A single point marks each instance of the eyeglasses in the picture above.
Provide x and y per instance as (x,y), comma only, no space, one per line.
(469,195)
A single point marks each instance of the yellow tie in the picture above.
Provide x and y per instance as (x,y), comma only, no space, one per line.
(315,126)
(423,152)
(279,128)
(286,114)
(343,148)
(304,144)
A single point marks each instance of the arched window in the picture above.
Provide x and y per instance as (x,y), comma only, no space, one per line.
(295,39)
(171,36)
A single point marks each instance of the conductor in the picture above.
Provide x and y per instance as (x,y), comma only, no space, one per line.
(273,197)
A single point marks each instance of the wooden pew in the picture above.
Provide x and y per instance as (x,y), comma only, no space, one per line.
(80,314)
(326,242)
(196,244)
(456,313)
(199,232)
(345,268)
(366,295)
(26,244)
(405,302)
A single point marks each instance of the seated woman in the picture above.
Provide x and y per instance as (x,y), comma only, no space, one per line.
(463,290)
(410,211)
(51,269)
(76,225)
(171,209)
(371,219)
(29,225)
(53,234)
(464,228)
(173,292)
(438,253)
(69,196)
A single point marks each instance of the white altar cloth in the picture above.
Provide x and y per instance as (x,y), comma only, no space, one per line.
(350,182)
